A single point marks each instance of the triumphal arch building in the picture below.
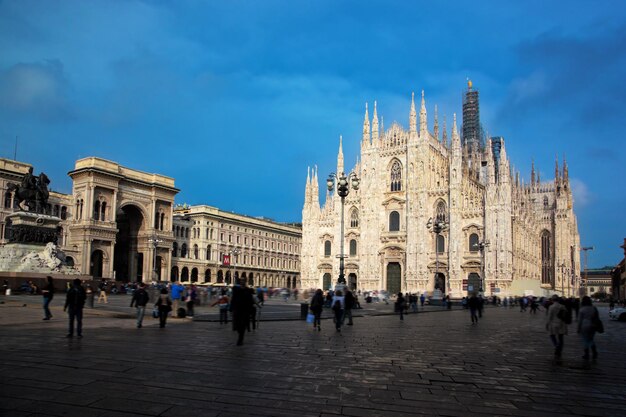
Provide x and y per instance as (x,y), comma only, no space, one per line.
(122,221)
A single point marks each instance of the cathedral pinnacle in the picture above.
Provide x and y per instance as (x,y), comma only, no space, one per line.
(423,120)
(436,125)
(444,138)
(340,156)
(375,124)
(532,173)
(413,115)
(366,126)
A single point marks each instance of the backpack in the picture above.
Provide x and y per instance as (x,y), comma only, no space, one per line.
(565,315)
(337,305)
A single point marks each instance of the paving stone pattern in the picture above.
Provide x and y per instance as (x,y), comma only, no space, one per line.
(432,363)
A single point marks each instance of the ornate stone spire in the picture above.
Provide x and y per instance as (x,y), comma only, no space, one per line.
(491,169)
(444,138)
(557,176)
(436,126)
(375,124)
(366,127)
(565,171)
(340,156)
(423,120)
(315,191)
(504,173)
(532,173)
(307,188)
(456,140)
(413,115)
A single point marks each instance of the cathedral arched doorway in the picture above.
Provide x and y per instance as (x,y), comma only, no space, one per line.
(352,281)
(326,281)
(95,268)
(474,283)
(127,264)
(440,282)
(394,278)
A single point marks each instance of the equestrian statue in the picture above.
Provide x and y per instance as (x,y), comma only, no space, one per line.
(32,193)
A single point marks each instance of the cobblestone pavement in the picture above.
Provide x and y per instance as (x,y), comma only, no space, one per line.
(429,364)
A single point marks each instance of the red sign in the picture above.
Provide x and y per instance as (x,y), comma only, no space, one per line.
(464,285)
(226,260)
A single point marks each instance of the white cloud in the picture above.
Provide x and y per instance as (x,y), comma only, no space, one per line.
(582,195)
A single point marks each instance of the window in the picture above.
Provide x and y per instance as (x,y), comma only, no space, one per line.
(162,221)
(175,249)
(473,243)
(394,221)
(353,247)
(546,258)
(440,213)
(441,244)
(183,250)
(96,210)
(354,218)
(208,253)
(195,251)
(7,200)
(327,248)
(545,202)
(396,176)
(63,213)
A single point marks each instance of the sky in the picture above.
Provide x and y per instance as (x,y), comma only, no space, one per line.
(235,99)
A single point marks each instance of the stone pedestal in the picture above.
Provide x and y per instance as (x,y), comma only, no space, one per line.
(33,228)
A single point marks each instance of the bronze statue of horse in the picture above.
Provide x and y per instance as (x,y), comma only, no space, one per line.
(34,199)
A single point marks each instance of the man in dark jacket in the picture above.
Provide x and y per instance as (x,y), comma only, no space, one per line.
(474,305)
(349,306)
(74,303)
(241,306)
(140,299)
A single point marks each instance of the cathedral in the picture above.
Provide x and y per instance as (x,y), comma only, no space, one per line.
(441,215)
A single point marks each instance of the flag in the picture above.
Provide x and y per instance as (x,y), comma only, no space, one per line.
(226,260)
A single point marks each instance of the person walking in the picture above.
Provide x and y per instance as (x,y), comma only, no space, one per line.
(349,298)
(74,303)
(555,325)
(139,300)
(223,303)
(190,299)
(473,304)
(240,306)
(103,292)
(164,304)
(177,292)
(48,294)
(422,299)
(338,306)
(317,305)
(399,306)
(587,317)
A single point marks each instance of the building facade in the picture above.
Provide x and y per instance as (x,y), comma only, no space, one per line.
(499,235)
(212,246)
(120,223)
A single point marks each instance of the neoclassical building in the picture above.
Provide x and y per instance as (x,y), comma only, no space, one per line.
(122,224)
(499,234)
(262,251)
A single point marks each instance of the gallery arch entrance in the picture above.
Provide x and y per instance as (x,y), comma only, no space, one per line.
(128,264)
(394,278)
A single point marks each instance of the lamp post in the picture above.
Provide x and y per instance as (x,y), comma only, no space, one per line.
(154,240)
(234,252)
(586,249)
(481,247)
(342,183)
(437,226)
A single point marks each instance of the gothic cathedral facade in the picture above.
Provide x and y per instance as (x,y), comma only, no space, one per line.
(441,217)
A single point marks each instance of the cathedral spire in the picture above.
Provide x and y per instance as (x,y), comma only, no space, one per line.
(315,192)
(413,115)
(375,124)
(491,169)
(504,173)
(436,126)
(366,127)
(557,177)
(455,132)
(340,156)
(423,120)
(532,173)
(565,171)
(307,188)
(444,139)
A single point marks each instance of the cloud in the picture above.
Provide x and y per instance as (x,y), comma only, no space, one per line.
(38,90)
(582,195)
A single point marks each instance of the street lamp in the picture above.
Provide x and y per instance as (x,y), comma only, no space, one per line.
(437,227)
(342,183)
(481,247)
(154,240)
(234,252)
(586,249)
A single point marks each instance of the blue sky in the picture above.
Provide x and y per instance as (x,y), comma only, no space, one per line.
(234,99)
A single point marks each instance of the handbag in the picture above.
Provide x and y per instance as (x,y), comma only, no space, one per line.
(597,323)
(310,318)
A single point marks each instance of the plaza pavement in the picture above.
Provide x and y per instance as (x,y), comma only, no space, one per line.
(432,363)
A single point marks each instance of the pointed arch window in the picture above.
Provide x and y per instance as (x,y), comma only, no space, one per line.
(394,221)
(546,258)
(396,176)
(441,212)
(473,243)
(353,247)
(354,218)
